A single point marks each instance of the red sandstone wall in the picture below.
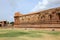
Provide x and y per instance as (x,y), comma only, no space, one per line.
(45,19)
(38,26)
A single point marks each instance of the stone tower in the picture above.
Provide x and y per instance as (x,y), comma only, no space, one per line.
(17,18)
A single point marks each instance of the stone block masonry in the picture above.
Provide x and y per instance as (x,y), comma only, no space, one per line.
(43,19)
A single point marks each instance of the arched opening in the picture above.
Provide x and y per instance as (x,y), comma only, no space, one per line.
(5,23)
(0,25)
(58,15)
(50,16)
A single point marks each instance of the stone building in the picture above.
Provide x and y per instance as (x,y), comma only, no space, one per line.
(3,23)
(48,18)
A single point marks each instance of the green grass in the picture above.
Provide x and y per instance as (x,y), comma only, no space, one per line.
(15,33)
(34,33)
(56,33)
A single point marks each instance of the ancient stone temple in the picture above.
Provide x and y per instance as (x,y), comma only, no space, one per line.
(43,19)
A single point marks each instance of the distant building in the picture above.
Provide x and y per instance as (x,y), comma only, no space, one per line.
(3,23)
(46,19)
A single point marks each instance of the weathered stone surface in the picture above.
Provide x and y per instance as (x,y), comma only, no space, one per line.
(42,18)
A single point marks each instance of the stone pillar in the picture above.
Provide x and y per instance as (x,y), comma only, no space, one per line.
(17,18)
(17,21)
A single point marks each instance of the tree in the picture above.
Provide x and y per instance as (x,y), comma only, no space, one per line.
(12,23)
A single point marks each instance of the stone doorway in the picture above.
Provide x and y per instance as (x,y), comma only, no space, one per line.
(58,15)
(0,25)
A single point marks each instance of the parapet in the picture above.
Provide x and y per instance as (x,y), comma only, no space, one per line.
(18,14)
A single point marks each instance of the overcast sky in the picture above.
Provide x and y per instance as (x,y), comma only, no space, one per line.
(9,7)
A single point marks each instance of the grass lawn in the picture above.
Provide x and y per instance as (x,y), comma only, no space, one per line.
(14,34)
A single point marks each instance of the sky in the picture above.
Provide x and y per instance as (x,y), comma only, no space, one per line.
(9,7)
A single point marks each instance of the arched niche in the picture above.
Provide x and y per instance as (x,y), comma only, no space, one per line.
(58,15)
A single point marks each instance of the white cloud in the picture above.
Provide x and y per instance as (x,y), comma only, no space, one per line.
(45,4)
